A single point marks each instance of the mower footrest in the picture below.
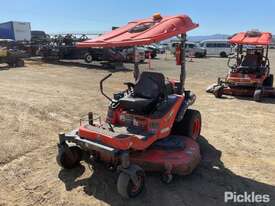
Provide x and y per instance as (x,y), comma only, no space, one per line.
(87,145)
(121,132)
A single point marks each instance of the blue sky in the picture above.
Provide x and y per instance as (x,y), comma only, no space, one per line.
(214,16)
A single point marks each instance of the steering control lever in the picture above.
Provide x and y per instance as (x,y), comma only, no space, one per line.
(101,86)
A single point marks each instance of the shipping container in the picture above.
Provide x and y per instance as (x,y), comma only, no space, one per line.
(18,31)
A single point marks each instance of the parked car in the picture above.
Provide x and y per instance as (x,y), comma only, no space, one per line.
(150,50)
(216,47)
(162,48)
(129,54)
(192,49)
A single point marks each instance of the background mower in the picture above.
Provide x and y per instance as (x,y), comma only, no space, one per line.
(148,126)
(249,73)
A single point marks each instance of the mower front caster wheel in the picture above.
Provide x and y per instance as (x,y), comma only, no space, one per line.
(257,95)
(218,91)
(69,157)
(127,188)
(166,178)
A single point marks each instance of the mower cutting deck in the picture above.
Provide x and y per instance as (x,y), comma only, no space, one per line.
(148,126)
(250,74)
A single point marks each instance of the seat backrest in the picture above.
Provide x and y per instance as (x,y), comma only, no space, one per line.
(150,85)
(250,60)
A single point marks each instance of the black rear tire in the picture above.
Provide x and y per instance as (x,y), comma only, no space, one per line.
(190,125)
(269,81)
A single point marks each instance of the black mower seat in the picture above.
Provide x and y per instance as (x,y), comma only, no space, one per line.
(136,104)
(148,91)
(252,64)
(250,61)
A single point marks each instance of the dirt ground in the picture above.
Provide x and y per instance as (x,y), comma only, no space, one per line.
(40,100)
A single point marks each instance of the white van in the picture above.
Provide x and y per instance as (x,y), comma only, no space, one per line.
(216,47)
(191,49)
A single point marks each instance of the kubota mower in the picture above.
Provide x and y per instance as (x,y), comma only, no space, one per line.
(249,73)
(149,126)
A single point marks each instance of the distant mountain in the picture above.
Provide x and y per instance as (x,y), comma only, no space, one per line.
(207,37)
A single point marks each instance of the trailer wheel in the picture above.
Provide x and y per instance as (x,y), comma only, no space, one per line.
(218,91)
(20,63)
(69,157)
(190,125)
(88,58)
(127,188)
(257,95)
(269,81)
